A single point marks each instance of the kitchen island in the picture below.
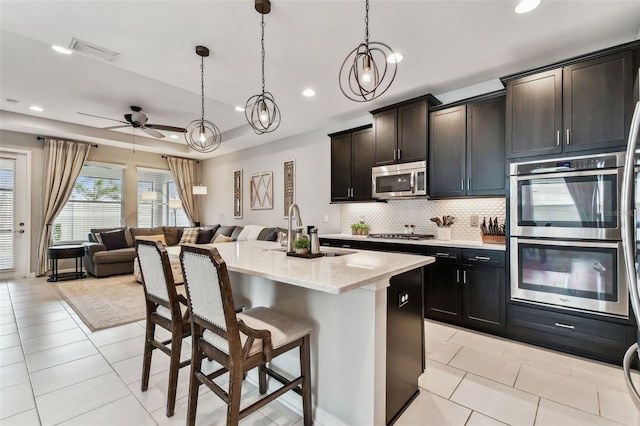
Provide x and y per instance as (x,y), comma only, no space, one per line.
(345,297)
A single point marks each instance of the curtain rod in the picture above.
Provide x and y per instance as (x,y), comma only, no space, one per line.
(197,161)
(40,138)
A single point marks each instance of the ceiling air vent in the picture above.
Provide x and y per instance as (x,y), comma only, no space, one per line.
(92,51)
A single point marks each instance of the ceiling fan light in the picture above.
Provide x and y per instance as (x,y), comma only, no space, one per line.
(526,6)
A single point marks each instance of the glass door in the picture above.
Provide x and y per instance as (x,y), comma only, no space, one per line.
(14,215)
(580,275)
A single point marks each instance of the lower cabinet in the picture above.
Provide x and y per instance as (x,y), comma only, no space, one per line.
(466,287)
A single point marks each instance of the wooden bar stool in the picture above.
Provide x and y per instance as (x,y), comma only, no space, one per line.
(166,308)
(238,341)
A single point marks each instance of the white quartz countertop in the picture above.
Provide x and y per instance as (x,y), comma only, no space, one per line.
(432,242)
(336,274)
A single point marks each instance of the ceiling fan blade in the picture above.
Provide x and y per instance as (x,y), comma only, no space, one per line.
(116,127)
(167,128)
(104,118)
(152,132)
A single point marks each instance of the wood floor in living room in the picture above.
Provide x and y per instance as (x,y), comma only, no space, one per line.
(54,370)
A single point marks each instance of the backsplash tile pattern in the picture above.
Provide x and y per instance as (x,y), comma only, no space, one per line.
(392,216)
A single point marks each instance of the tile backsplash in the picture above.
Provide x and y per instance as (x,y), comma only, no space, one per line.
(392,216)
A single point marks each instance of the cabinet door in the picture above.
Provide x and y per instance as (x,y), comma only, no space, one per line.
(483,297)
(534,115)
(447,152)
(412,132)
(486,173)
(597,102)
(362,154)
(442,292)
(340,167)
(385,127)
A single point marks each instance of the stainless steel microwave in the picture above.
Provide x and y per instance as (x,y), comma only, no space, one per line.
(399,180)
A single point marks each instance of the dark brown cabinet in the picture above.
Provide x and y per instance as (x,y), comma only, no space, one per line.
(466,149)
(582,106)
(466,287)
(400,131)
(351,162)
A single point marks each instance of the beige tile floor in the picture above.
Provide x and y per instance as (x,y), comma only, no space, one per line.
(53,370)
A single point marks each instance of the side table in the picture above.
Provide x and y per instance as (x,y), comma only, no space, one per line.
(66,252)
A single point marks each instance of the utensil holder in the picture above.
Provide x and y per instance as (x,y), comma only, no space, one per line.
(493,239)
(444,234)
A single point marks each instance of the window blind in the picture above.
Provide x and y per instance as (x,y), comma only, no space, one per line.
(7,213)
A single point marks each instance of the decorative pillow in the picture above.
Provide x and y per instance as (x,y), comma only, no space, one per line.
(152,238)
(189,236)
(272,236)
(223,239)
(114,240)
(249,232)
(205,236)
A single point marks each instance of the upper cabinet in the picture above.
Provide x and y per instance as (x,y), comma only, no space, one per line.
(400,131)
(583,106)
(351,162)
(466,149)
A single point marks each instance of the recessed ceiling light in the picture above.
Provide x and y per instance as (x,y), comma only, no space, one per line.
(62,50)
(36,108)
(525,6)
(309,93)
(239,108)
(173,137)
(394,58)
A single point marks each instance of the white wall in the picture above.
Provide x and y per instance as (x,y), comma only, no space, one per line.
(311,153)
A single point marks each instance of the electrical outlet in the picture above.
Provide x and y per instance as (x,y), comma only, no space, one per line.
(473,221)
(325,218)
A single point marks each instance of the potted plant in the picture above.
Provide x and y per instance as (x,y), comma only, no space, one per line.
(359,229)
(301,245)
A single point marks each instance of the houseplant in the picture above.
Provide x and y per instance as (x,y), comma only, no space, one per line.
(360,229)
(301,245)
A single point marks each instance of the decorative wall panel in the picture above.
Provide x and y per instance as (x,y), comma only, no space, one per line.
(289,185)
(237,194)
(262,191)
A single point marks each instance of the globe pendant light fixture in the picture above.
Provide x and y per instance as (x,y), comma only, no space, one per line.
(365,73)
(202,135)
(261,110)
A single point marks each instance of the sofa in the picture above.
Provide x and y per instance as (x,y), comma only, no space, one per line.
(111,251)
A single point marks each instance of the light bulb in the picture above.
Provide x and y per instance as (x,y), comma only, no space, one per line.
(203,136)
(366,76)
(264,114)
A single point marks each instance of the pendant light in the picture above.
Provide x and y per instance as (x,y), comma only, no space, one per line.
(261,110)
(202,135)
(366,73)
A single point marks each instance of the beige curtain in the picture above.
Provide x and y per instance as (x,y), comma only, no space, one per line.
(184,173)
(63,162)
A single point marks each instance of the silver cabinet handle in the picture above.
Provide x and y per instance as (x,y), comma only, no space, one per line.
(442,254)
(468,184)
(482,258)
(558,138)
(412,182)
(394,155)
(399,152)
(464,277)
(462,184)
(570,327)
(568,138)
(457,275)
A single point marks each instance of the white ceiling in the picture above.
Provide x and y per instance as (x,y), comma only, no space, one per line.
(448,45)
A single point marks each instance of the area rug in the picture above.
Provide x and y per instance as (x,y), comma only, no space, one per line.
(105,302)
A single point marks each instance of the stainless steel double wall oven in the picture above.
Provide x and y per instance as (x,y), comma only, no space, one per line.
(565,243)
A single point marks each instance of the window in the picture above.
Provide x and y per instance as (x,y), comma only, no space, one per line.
(7,213)
(159,211)
(95,202)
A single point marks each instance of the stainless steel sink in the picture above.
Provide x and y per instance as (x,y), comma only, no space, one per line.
(324,252)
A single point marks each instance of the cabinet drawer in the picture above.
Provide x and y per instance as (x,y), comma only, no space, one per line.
(446,254)
(599,339)
(483,257)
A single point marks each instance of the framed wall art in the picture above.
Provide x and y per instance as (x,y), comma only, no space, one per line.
(262,191)
(289,185)
(237,194)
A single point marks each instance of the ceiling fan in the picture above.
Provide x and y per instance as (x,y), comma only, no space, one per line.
(138,120)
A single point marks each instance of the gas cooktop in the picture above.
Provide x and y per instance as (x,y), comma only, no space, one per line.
(403,236)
